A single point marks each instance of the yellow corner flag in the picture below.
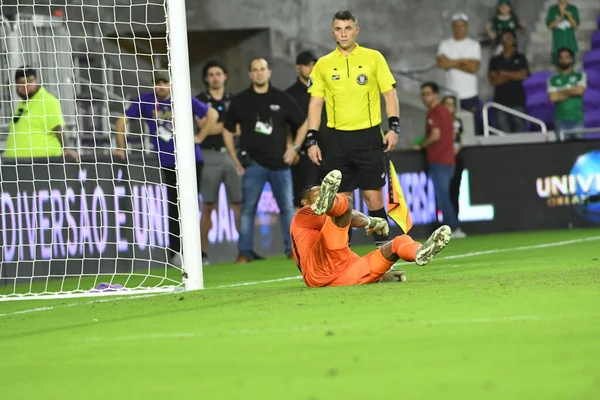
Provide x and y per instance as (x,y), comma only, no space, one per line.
(397,207)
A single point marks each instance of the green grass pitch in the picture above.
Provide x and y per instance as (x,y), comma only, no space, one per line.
(513,316)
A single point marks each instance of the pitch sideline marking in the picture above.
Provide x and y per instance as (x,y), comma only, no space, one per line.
(245,332)
(289,278)
(520,248)
(81,304)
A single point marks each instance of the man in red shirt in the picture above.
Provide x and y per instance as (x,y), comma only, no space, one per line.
(439,150)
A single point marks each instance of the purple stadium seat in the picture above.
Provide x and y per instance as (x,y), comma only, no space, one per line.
(593,78)
(598,20)
(596,40)
(545,113)
(538,98)
(536,82)
(592,120)
(591,104)
(591,60)
(591,100)
(539,106)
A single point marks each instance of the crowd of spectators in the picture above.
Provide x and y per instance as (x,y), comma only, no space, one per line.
(258,135)
(460,57)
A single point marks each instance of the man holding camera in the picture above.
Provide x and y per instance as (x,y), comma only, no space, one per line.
(266,152)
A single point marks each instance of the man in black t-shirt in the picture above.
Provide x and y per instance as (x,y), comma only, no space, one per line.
(218,167)
(305,173)
(266,152)
(507,72)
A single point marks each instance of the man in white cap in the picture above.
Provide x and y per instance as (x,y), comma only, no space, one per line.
(460,56)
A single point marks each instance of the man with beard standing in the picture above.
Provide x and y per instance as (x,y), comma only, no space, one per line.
(305,173)
(218,167)
(565,90)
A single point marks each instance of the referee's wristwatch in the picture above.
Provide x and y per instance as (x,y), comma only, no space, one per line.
(311,143)
(312,138)
(394,123)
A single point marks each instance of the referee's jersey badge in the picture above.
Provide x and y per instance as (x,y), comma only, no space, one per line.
(309,83)
(362,79)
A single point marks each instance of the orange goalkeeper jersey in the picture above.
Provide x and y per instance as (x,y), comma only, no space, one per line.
(320,247)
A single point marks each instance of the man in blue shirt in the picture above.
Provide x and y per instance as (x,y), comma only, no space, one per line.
(155,109)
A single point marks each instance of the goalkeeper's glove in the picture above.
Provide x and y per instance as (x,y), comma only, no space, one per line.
(377,225)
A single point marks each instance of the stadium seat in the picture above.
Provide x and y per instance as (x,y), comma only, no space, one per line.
(536,82)
(592,120)
(591,60)
(591,104)
(538,98)
(539,106)
(596,40)
(546,114)
(591,100)
(593,78)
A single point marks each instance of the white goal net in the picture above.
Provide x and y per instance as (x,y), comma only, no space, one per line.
(79,217)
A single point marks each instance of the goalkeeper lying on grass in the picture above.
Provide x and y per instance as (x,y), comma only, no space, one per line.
(319,234)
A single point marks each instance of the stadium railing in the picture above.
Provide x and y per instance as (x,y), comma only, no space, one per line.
(487,128)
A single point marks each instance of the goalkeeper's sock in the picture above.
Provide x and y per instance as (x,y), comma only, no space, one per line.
(340,206)
(380,240)
(405,248)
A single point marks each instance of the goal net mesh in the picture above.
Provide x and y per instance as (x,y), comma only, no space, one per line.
(76,218)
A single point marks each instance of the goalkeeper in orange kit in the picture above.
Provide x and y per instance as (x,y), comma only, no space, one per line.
(319,233)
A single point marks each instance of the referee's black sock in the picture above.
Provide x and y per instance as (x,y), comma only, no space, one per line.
(350,236)
(380,240)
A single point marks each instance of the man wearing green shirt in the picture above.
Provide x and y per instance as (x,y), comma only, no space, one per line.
(563,19)
(36,130)
(565,90)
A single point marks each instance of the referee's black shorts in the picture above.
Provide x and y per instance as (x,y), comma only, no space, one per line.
(357,154)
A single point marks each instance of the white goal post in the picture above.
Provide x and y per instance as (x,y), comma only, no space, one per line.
(77,218)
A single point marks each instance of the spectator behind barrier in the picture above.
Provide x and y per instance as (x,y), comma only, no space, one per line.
(565,90)
(507,72)
(563,19)
(504,19)
(460,56)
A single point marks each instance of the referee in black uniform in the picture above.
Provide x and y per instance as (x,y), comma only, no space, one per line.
(304,173)
(351,79)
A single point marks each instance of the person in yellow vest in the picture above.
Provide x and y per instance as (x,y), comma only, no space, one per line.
(349,81)
(36,130)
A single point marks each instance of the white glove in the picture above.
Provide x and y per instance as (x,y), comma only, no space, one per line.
(377,225)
